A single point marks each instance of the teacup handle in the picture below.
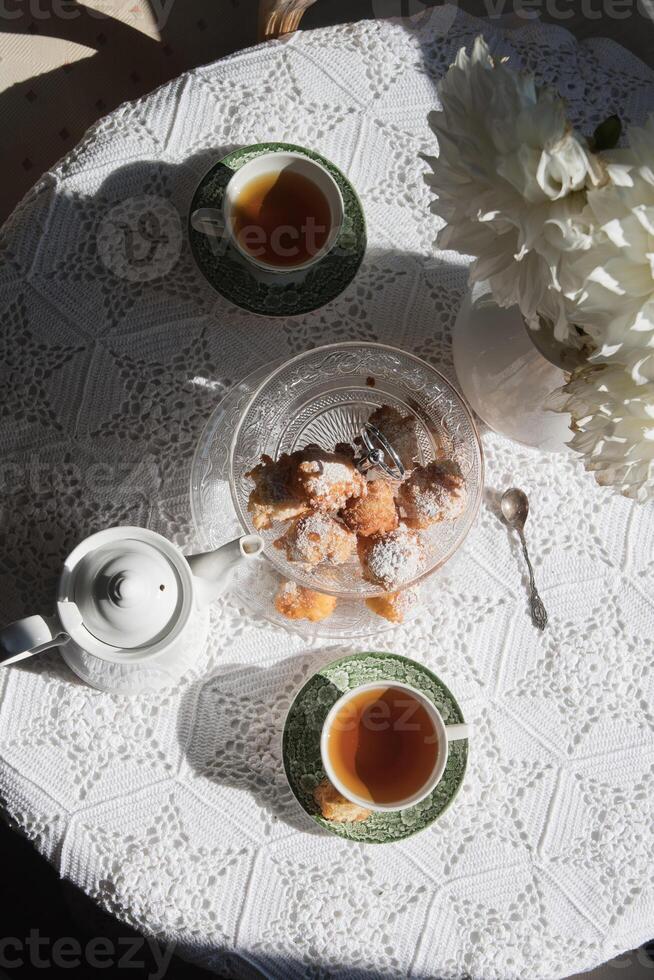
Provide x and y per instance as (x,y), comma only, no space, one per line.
(26,638)
(456,732)
(209,221)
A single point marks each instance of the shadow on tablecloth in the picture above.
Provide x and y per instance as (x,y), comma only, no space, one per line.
(105,418)
(230,729)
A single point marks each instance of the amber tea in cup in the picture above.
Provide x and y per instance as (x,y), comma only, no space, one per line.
(383,745)
(283,211)
(281,218)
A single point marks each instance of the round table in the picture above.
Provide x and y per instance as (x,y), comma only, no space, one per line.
(172,811)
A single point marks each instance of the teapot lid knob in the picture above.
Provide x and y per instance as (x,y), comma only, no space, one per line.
(127,589)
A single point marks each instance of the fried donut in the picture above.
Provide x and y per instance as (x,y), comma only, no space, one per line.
(394,605)
(326,481)
(275,496)
(335,807)
(375,513)
(433,493)
(391,559)
(401,432)
(296,602)
(317,537)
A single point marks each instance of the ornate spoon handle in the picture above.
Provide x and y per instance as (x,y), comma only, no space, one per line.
(538,611)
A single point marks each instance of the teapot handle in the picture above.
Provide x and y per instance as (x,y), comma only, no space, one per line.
(26,638)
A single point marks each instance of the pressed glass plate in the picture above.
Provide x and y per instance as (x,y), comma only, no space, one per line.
(325,396)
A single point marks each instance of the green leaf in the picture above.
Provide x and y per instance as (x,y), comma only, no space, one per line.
(607,134)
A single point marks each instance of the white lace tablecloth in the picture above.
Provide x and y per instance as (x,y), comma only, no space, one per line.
(173,811)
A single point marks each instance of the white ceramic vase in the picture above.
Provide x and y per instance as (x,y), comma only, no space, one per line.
(503,375)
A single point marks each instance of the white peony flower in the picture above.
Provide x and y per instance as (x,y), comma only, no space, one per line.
(611,282)
(510,178)
(612,408)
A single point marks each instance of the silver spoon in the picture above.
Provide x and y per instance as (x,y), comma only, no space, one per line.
(515,510)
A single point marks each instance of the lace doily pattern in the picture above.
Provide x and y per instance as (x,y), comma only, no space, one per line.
(173,811)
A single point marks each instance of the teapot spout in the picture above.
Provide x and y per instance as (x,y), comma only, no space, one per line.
(212,569)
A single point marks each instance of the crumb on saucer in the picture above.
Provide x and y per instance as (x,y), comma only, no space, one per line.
(335,807)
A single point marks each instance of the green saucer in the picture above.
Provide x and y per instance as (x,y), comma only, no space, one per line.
(271,293)
(301,743)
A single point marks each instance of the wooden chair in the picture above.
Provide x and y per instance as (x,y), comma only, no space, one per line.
(278,17)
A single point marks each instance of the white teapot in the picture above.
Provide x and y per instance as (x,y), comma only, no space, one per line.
(128,615)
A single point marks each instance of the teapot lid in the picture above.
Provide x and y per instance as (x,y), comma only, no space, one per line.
(128,590)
